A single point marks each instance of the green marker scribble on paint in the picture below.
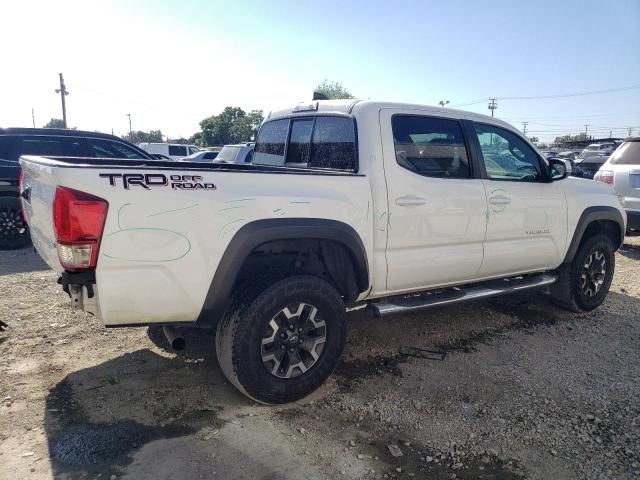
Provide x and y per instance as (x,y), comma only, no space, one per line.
(118,215)
(368,208)
(275,210)
(247,199)
(232,208)
(300,202)
(224,230)
(171,211)
(161,260)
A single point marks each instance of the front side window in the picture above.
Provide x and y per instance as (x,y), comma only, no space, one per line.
(193,150)
(107,149)
(271,142)
(506,156)
(177,151)
(429,146)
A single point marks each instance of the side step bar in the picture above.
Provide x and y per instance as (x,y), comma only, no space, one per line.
(437,298)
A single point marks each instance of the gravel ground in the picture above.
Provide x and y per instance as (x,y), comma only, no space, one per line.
(524,390)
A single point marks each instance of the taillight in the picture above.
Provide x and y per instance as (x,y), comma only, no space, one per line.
(604,176)
(78,220)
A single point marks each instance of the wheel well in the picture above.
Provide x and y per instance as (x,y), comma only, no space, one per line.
(327,259)
(607,227)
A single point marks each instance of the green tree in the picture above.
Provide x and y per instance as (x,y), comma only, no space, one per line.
(54,123)
(568,138)
(152,136)
(332,90)
(233,125)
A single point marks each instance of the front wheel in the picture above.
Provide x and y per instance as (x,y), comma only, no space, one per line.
(13,229)
(583,285)
(281,344)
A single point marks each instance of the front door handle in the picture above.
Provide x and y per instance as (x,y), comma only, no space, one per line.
(499,200)
(410,200)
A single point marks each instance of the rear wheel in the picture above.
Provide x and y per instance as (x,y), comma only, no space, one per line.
(13,229)
(279,344)
(583,285)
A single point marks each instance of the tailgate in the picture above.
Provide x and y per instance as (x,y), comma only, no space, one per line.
(37,192)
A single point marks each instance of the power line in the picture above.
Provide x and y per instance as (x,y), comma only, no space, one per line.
(558,95)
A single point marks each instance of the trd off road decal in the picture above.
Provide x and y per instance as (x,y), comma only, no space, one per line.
(149,180)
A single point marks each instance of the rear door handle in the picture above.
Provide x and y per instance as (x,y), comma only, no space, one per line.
(499,200)
(410,200)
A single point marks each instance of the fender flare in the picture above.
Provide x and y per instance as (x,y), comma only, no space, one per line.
(259,232)
(590,215)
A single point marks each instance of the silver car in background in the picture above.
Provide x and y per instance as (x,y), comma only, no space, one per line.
(622,172)
(240,153)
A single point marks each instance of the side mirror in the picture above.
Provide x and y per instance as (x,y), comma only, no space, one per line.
(559,168)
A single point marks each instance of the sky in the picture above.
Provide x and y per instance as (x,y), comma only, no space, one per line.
(171,64)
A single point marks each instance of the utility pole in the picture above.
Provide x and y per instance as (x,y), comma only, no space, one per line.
(63,93)
(524,127)
(130,131)
(492,105)
(586,130)
(442,103)
(630,131)
(33,117)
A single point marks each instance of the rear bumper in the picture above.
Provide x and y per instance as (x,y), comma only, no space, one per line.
(633,219)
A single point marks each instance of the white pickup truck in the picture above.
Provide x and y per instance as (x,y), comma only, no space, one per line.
(347,204)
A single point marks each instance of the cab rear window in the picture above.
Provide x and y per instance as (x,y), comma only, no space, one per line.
(326,142)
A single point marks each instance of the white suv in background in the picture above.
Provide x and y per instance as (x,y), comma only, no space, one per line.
(622,172)
(174,151)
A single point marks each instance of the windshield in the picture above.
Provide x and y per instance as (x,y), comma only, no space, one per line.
(228,154)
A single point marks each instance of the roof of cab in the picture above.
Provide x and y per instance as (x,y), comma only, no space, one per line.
(354,106)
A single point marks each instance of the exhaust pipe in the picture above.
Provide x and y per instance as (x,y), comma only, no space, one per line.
(176,340)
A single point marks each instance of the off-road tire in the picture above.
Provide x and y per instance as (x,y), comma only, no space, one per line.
(567,292)
(241,331)
(14,232)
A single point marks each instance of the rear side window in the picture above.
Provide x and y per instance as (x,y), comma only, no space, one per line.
(334,144)
(49,146)
(270,144)
(177,151)
(433,147)
(107,149)
(320,142)
(627,154)
(210,155)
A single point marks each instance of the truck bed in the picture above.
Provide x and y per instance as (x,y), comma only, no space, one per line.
(169,224)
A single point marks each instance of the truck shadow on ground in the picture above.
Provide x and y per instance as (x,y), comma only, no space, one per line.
(98,418)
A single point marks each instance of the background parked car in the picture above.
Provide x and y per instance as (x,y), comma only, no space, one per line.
(240,153)
(174,151)
(206,156)
(591,159)
(46,141)
(622,172)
